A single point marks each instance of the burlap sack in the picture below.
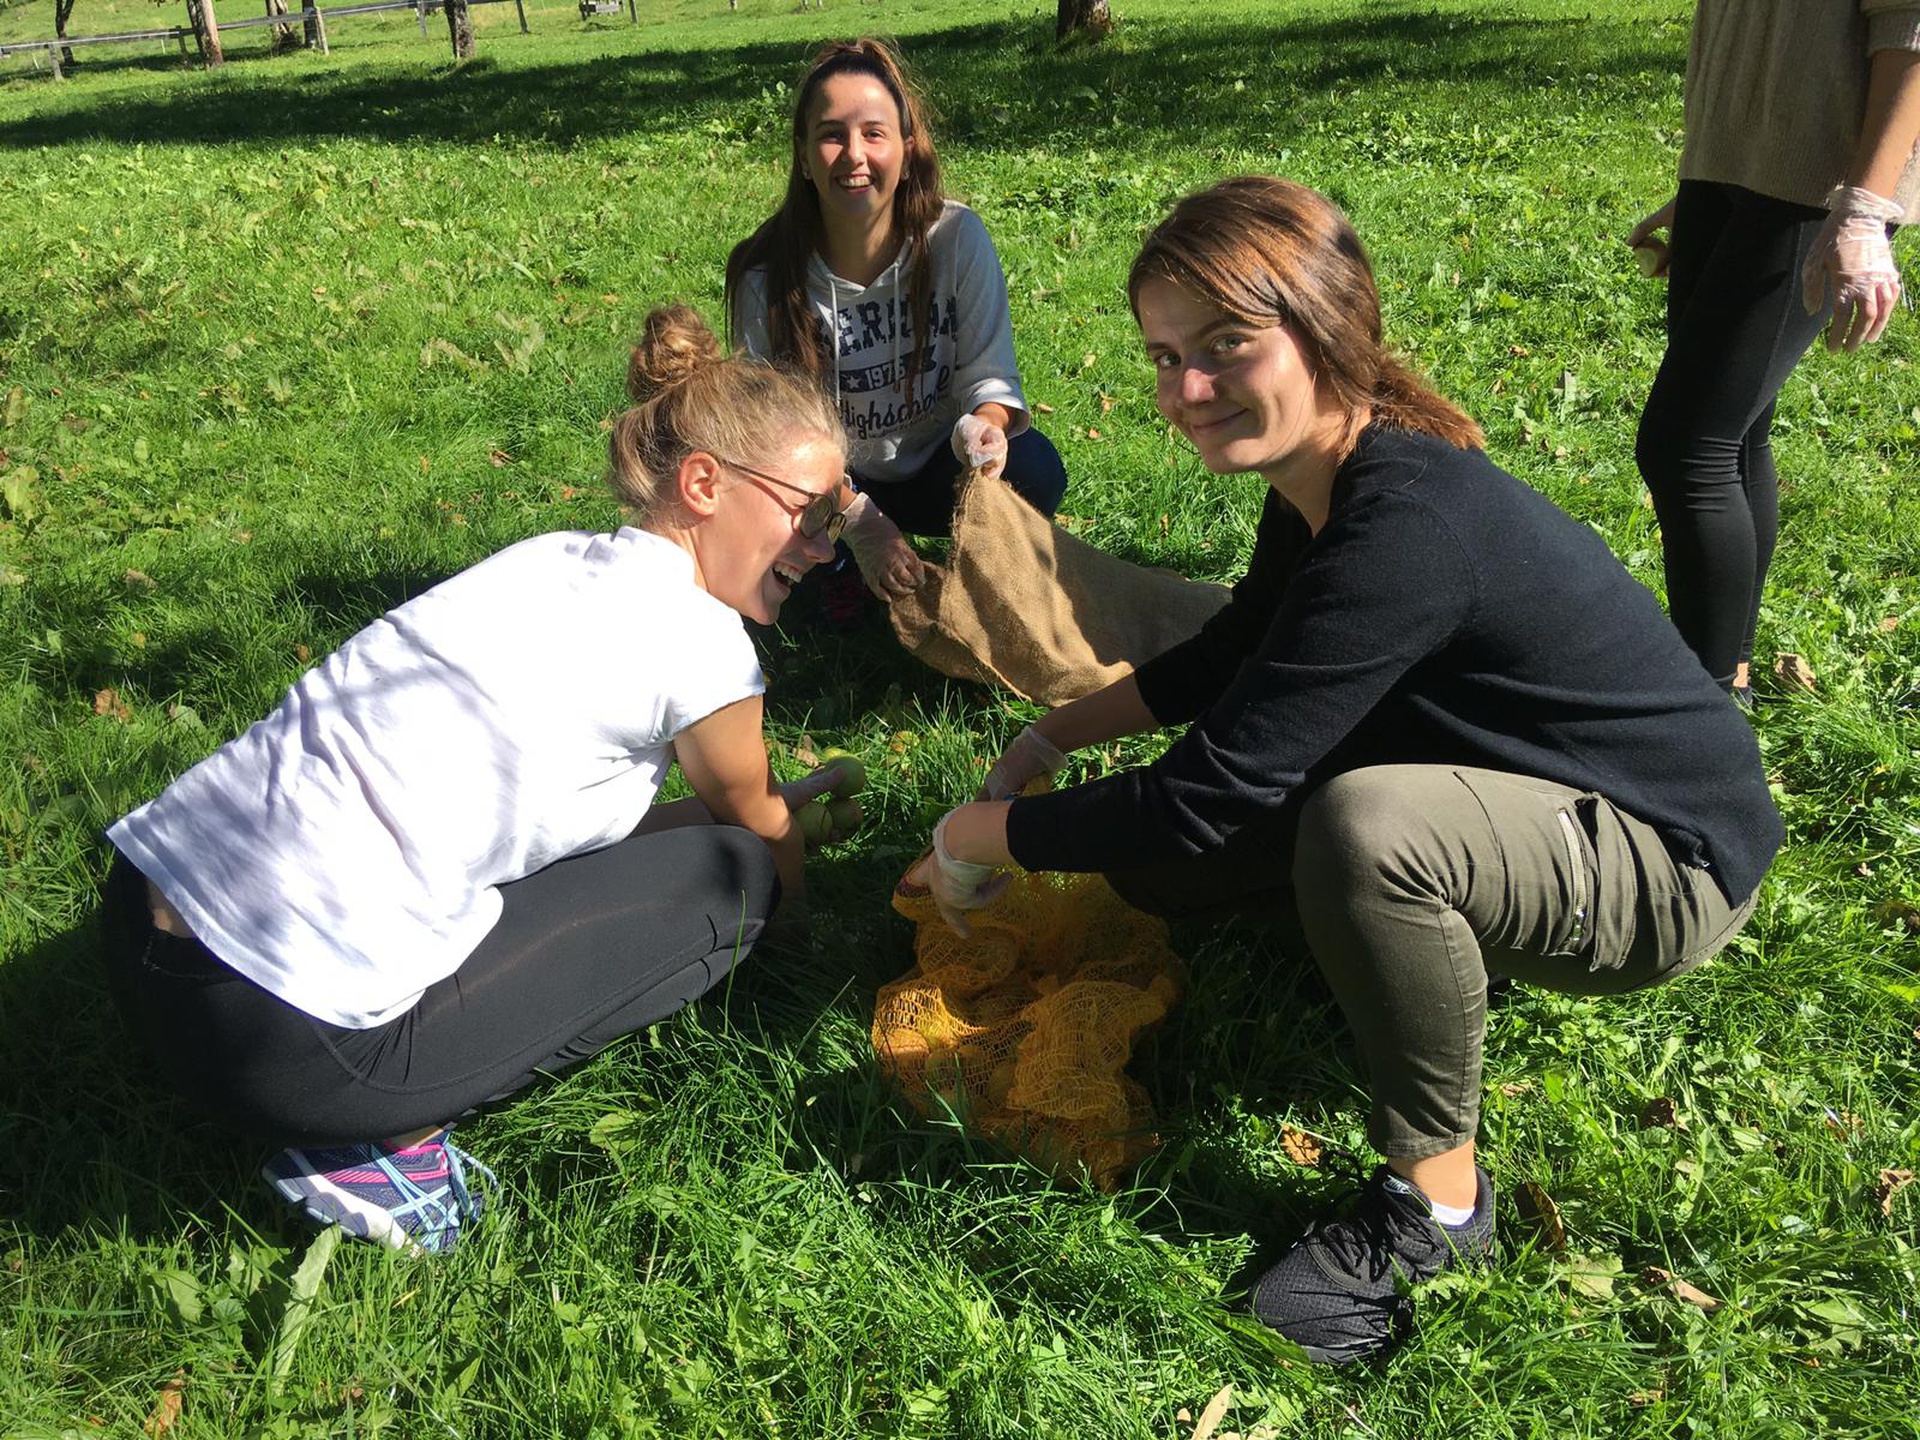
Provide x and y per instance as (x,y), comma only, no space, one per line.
(1023,604)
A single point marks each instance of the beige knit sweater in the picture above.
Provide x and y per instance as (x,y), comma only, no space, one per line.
(1776,90)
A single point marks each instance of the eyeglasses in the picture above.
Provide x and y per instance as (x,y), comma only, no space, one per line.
(821,515)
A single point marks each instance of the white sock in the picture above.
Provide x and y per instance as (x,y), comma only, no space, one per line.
(1452,1216)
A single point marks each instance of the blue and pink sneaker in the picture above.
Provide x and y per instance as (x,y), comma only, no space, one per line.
(414,1199)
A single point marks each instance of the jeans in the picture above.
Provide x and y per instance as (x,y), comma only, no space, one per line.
(923,505)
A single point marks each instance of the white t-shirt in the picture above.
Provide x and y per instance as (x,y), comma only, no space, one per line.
(969,357)
(345,852)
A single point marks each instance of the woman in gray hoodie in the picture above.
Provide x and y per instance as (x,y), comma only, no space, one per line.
(892,296)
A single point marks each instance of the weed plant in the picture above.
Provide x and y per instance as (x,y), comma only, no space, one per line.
(285,344)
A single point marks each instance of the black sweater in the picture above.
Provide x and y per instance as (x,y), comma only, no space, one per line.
(1445,614)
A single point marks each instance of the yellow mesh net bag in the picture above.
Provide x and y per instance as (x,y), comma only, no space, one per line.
(1024,1028)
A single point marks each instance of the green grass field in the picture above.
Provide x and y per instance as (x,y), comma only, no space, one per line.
(284,344)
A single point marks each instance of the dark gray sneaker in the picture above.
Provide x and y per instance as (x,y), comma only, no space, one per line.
(1340,1293)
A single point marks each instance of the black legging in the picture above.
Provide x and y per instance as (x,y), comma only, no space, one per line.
(1735,330)
(587,950)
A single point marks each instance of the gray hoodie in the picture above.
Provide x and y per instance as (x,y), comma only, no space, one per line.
(894,428)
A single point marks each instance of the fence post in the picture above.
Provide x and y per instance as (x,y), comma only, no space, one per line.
(633,10)
(53,54)
(420,9)
(521,6)
(320,29)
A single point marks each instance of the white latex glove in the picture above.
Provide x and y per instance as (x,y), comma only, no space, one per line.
(981,444)
(959,885)
(1030,756)
(887,563)
(1653,251)
(1851,252)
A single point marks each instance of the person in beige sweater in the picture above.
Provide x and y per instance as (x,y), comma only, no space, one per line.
(1802,122)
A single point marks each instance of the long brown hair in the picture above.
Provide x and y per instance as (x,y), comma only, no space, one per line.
(1269,251)
(789,238)
(689,394)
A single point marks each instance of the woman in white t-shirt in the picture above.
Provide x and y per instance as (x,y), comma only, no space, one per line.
(892,296)
(437,868)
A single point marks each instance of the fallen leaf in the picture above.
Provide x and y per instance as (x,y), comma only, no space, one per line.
(300,653)
(425,464)
(1514,1089)
(1093,434)
(108,702)
(1793,671)
(1660,1114)
(1519,350)
(1086,360)
(1538,1208)
(1892,1182)
(499,458)
(1640,1399)
(166,1410)
(1040,407)
(1300,1147)
(1106,403)
(1843,1123)
(1593,1275)
(137,580)
(1680,1289)
(1889,622)
(1210,1417)
(1863,870)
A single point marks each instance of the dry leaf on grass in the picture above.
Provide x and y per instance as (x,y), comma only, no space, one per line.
(1680,1289)
(1210,1417)
(1514,1089)
(137,580)
(108,702)
(1040,407)
(1300,1147)
(1538,1209)
(1793,672)
(1843,1123)
(1889,623)
(1892,1182)
(1661,1114)
(1640,1399)
(166,1409)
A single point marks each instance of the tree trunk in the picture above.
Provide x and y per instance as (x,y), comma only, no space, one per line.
(206,30)
(283,40)
(63,12)
(1092,16)
(460,29)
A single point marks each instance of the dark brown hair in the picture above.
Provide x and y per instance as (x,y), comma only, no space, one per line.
(689,394)
(789,238)
(1269,251)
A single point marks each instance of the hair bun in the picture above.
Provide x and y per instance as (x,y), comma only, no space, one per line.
(674,343)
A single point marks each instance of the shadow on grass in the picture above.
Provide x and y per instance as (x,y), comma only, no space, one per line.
(1001,85)
(90,1142)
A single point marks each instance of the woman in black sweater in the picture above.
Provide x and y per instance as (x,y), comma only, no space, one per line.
(1438,725)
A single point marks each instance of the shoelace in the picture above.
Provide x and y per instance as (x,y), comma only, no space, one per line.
(1381,1229)
(467,1207)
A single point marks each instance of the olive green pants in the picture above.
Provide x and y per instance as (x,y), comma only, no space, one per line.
(1409,883)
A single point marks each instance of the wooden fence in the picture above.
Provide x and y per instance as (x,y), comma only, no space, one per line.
(312,17)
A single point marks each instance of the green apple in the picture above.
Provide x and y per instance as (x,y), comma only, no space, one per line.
(847,815)
(816,824)
(852,776)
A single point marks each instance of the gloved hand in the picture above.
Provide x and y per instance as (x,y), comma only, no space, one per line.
(887,563)
(981,444)
(809,787)
(1851,252)
(959,885)
(1654,253)
(1030,756)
